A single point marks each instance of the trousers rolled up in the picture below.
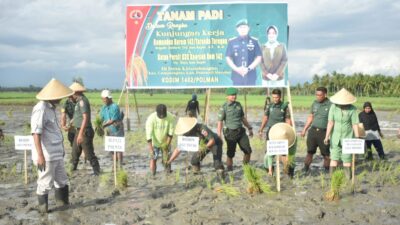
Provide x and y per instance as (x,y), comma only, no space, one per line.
(54,176)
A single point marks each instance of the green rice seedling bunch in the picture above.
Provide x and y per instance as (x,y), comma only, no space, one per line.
(228,190)
(165,153)
(10,113)
(209,184)
(98,126)
(337,183)
(122,179)
(255,184)
(322,179)
(258,144)
(231,178)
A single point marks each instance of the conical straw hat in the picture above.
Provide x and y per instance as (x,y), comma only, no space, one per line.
(77,87)
(54,90)
(361,130)
(343,97)
(283,131)
(184,125)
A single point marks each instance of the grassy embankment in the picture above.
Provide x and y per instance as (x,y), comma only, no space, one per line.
(179,100)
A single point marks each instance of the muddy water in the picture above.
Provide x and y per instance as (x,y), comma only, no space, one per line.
(173,199)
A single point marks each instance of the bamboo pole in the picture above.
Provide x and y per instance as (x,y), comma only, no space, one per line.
(115,168)
(245,104)
(25,167)
(128,122)
(207,106)
(278,174)
(136,106)
(353,169)
(290,106)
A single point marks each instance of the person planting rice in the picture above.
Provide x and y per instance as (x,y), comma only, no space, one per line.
(209,142)
(159,133)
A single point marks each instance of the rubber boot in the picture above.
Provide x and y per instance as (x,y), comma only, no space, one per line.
(291,172)
(96,168)
(246,158)
(43,206)
(62,196)
(347,172)
(74,166)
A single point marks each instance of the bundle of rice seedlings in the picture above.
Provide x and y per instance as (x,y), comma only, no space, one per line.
(177,175)
(165,153)
(105,179)
(122,179)
(98,124)
(228,190)
(337,183)
(255,184)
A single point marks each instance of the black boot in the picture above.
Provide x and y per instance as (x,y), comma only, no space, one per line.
(62,196)
(291,172)
(43,203)
(96,167)
(368,155)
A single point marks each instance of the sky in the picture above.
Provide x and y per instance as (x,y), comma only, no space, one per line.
(41,39)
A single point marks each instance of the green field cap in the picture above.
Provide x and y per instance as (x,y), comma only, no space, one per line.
(231,91)
(242,22)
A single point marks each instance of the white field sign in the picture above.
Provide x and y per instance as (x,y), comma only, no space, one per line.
(24,142)
(114,144)
(189,144)
(277,147)
(353,146)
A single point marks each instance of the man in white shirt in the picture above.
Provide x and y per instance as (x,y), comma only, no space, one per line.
(48,139)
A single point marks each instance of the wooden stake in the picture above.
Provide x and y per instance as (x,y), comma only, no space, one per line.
(115,168)
(290,106)
(25,168)
(207,106)
(128,122)
(353,169)
(186,171)
(278,174)
(136,107)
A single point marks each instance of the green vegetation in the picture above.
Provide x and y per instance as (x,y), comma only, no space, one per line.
(122,179)
(337,183)
(98,124)
(255,184)
(179,100)
(228,189)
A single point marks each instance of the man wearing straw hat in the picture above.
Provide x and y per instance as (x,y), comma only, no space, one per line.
(48,139)
(342,123)
(209,142)
(159,133)
(111,118)
(84,130)
(316,124)
(232,114)
(277,112)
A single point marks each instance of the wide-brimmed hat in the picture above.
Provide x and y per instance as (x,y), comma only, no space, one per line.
(343,97)
(184,125)
(77,87)
(54,90)
(361,130)
(283,131)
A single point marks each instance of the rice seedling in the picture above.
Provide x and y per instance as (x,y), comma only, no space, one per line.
(231,178)
(209,184)
(337,183)
(2,123)
(10,113)
(122,179)
(255,184)
(98,124)
(361,177)
(228,190)
(258,144)
(322,180)
(165,153)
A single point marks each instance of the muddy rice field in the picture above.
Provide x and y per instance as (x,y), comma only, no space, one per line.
(182,197)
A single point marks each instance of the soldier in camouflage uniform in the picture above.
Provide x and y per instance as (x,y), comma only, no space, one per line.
(232,114)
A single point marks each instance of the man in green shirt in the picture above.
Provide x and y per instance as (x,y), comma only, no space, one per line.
(317,122)
(159,133)
(84,130)
(232,114)
(342,123)
(68,110)
(277,112)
